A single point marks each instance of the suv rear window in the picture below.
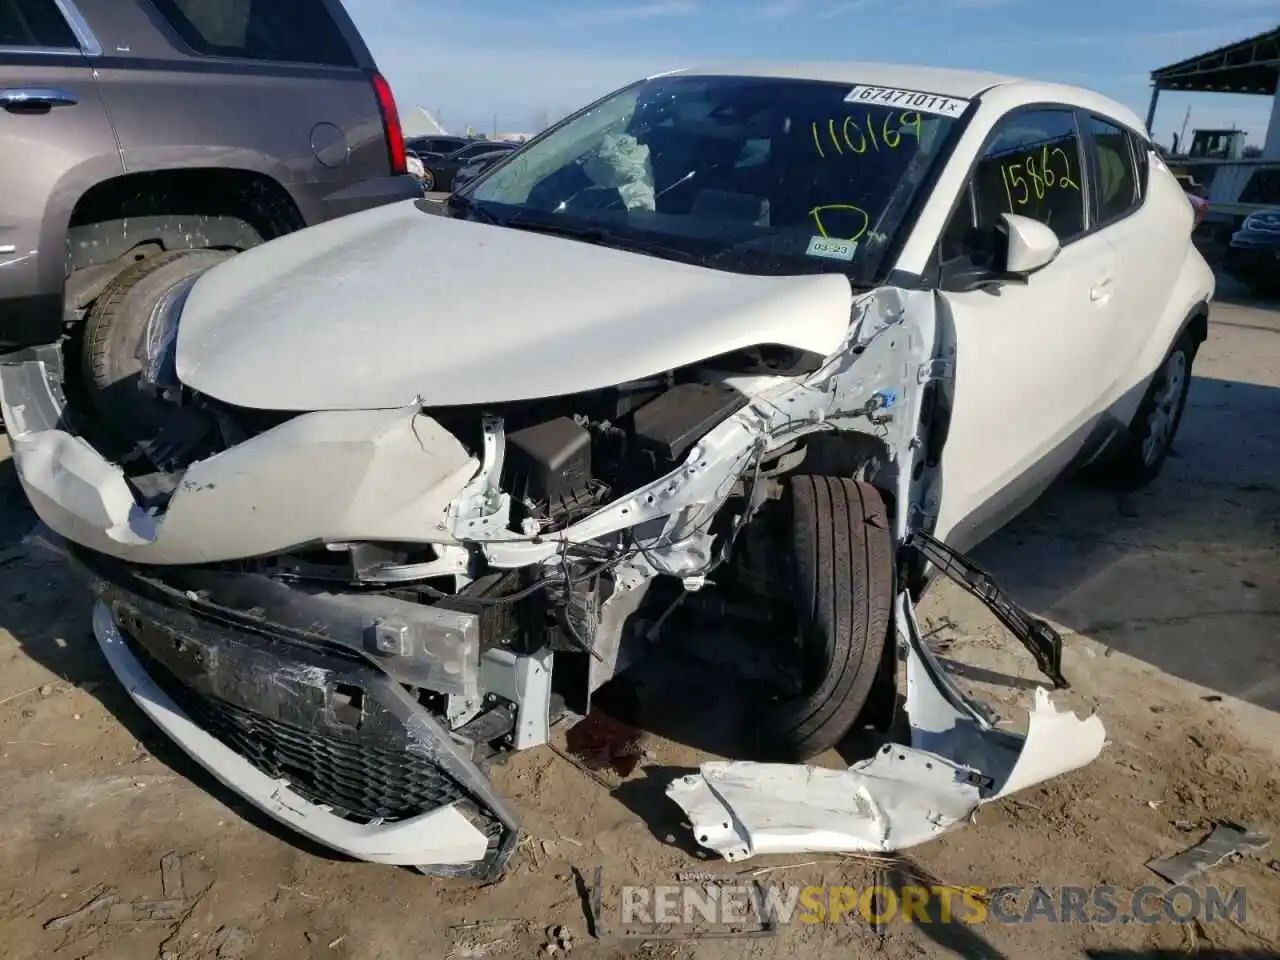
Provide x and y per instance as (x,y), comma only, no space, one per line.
(34,23)
(285,31)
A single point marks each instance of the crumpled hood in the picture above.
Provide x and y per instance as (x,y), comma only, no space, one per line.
(395,305)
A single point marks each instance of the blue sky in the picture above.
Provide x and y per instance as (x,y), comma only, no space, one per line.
(528,59)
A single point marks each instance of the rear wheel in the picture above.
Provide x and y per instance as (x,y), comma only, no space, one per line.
(428,180)
(114,332)
(841,561)
(1150,436)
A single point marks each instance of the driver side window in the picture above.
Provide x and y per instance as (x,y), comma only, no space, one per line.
(1030,166)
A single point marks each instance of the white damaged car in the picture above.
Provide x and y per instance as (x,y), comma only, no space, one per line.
(368,504)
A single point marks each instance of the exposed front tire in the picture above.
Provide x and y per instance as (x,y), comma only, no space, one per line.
(114,331)
(1151,434)
(840,547)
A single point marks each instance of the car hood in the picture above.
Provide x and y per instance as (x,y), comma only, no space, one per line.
(395,306)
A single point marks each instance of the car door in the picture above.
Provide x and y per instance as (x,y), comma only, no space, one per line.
(1149,241)
(55,140)
(1032,358)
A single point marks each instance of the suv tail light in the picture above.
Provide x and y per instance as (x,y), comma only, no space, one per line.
(390,124)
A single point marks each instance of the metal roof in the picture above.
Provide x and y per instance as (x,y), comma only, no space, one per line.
(1251,65)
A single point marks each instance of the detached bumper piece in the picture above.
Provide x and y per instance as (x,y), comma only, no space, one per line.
(320,740)
(1040,640)
(957,761)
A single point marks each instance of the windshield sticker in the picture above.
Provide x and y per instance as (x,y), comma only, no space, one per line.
(832,249)
(908,100)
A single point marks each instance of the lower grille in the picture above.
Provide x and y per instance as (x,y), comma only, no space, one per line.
(357,780)
(354,779)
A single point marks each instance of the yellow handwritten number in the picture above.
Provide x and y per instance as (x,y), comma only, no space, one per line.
(891,138)
(1018,180)
(1065,179)
(817,212)
(1046,168)
(913,123)
(890,133)
(1037,181)
(831,128)
(862,140)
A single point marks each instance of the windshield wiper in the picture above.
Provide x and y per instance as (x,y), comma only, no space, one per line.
(600,236)
(575,232)
(460,204)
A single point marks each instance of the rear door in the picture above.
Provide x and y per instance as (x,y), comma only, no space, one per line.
(281,87)
(1032,360)
(55,139)
(1150,239)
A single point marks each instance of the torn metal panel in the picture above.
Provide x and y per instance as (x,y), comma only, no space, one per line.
(388,475)
(871,391)
(901,797)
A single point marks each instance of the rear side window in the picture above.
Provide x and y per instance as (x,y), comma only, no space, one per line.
(1117,180)
(284,31)
(1031,167)
(34,23)
(1142,160)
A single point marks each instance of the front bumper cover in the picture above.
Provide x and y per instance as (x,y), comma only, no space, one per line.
(324,743)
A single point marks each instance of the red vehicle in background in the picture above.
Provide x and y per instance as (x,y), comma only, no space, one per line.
(1199,203)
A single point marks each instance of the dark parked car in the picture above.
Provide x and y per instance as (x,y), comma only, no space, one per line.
(143,141)
(480,163)
(440,171)
(1253,257)
(436,146)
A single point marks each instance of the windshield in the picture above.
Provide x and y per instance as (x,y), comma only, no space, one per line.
(752,175)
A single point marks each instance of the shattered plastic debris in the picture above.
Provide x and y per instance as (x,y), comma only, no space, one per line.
(901,797)
(1224,840)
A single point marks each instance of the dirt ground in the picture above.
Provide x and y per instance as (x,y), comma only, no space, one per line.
(1171,603)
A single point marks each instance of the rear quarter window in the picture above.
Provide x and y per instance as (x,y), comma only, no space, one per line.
(282,31)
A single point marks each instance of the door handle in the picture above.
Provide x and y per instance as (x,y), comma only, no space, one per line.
(36,97)
(1100,291)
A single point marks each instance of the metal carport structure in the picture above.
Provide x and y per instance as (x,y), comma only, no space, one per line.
(1251,65)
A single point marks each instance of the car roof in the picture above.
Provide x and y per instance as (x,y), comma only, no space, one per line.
(944,81)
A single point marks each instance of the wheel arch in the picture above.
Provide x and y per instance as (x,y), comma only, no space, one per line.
(127,218)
